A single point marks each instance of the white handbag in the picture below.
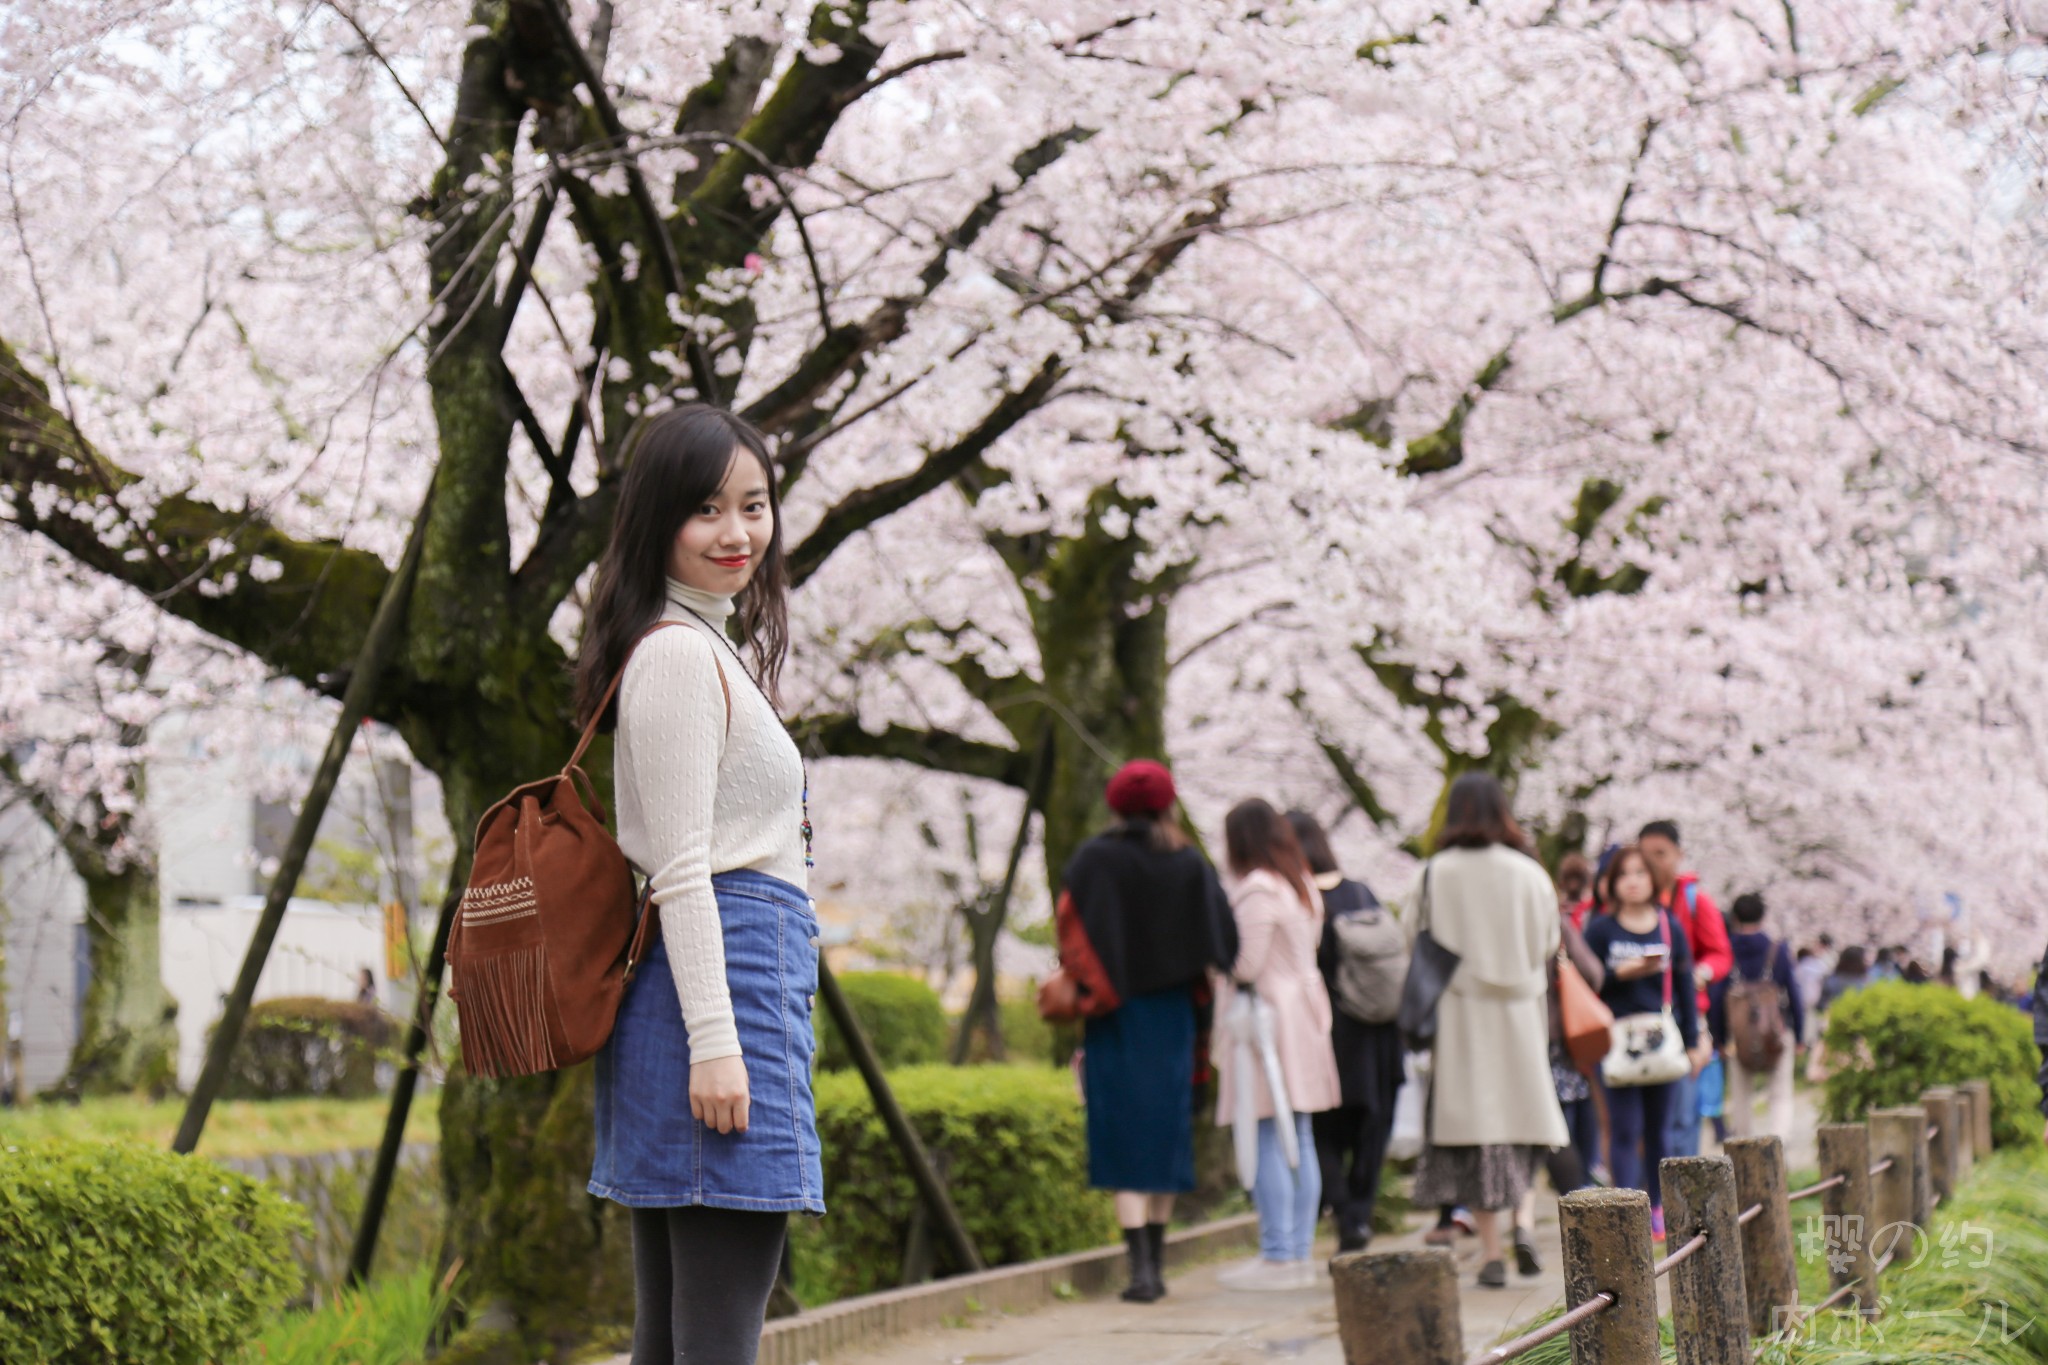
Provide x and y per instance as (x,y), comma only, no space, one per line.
(1648,1049)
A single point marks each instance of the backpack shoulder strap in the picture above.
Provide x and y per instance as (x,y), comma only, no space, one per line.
(612,690)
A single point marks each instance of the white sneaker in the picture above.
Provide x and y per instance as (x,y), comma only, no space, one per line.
(1313,1273)
(1262,1276)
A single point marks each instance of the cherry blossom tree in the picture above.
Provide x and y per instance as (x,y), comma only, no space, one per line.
(1272,384)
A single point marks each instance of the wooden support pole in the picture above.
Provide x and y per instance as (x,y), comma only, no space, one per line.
(1982,1090)
(1607,1249)
(1895,1206)
(1709,1308)
(1845,1151)
(1401,1307)
(1966,1135)
(923,1174)
(1769,1274)
(380,642)
(1940,1103)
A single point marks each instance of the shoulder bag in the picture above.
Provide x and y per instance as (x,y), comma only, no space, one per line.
(1647,1048)
(1430,966)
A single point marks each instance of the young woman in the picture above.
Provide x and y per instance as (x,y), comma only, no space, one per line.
(1644,954)
(705,1124)
(1152,922)
(1351,1140)
(1279,926)
(1493,1111)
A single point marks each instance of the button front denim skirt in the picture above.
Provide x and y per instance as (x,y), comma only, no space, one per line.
(650,1152)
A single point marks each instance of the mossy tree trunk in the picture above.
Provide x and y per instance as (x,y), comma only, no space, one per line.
(127,1036)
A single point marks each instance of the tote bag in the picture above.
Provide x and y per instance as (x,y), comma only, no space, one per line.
(1588,1024)
(1647,1048)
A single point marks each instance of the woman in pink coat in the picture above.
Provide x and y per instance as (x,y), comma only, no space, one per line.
(1279,924)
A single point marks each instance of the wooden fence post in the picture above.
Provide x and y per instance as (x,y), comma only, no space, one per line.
(1607,1249)
(1768,1273)
(1398,1308)
(1845,1151)
(1982,1090)
(1896,1201)
(1940,1103)
(1966,1135)
(1709,1310)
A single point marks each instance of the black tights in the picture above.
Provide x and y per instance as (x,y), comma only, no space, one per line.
(701,1280)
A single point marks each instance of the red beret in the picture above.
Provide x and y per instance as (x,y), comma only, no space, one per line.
(1140,787)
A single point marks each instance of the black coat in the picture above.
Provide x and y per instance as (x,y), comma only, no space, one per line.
(1368,1055)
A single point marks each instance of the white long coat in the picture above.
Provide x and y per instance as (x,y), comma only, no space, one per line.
(1491,1081)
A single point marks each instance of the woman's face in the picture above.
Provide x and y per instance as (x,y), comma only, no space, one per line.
(721,543)
(1632,885)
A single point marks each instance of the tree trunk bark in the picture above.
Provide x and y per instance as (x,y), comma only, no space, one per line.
(127,1039)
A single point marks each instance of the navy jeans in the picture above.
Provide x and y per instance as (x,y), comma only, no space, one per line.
(1637,1116)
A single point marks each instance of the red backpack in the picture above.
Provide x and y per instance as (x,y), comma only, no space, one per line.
(548,933)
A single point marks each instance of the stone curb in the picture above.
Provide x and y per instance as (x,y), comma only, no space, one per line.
(874,1319)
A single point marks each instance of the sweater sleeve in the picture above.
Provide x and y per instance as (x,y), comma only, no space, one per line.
(672,712)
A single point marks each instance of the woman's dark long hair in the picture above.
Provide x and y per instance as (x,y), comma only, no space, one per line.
(675,463)
(1610,876)
(1256,836)
(1315,842)
(1477,816)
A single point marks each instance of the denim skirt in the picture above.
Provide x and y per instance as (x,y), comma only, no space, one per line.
(650,1152)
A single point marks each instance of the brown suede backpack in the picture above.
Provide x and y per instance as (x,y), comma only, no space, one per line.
(548,933)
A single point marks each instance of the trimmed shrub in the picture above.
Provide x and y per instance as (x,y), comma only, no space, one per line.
(1011,1143)
(132,1256)
(902,1016)
(305,1045)
(1888,1042)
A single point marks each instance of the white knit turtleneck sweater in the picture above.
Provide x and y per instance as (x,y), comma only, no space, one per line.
(696,797)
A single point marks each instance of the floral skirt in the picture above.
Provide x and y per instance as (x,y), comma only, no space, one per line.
(1490,1177)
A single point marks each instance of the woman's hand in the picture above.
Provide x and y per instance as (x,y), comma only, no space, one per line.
(1701,1055)
(1636,968)
(718,1094)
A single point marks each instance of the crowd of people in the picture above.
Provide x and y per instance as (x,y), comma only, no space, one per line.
(1582,1028)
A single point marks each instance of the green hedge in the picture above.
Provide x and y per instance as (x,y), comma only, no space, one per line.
(902,1016)
(131,1256)
(1888,1042)
(306,1045)
(1015,1152)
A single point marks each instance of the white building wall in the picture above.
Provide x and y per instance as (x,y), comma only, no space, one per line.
(42,913)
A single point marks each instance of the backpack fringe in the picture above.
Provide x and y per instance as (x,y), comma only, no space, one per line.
(501,1003)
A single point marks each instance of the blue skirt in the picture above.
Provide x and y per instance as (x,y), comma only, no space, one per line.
(1138,1072)
(650,1152)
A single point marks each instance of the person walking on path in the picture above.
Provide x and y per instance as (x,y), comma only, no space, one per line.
(1150,918)
(1756,1018)
(1706,939)
(1647,963)
(705,1125)
(1363,959)
(1280,926)
(1492,1112)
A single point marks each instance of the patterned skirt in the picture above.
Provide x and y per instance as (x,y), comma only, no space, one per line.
(1490,1177)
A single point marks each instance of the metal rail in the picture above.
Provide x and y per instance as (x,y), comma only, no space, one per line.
(1556,1327)
(1881,1167)
(1812,1190)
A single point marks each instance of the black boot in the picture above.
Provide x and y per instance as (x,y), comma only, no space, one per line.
(1144,1273)
(1155,1233)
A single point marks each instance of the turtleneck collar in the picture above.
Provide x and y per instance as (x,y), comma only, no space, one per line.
(713,607)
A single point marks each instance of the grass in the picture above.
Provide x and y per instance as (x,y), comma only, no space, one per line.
(236,1128)
(387,1323)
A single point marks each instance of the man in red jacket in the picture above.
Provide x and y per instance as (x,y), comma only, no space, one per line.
(1706,933)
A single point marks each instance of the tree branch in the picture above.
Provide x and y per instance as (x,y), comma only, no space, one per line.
(863,507)
(841,736)
(305,622)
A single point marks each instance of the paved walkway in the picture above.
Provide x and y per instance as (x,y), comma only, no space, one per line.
(1204,1324)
